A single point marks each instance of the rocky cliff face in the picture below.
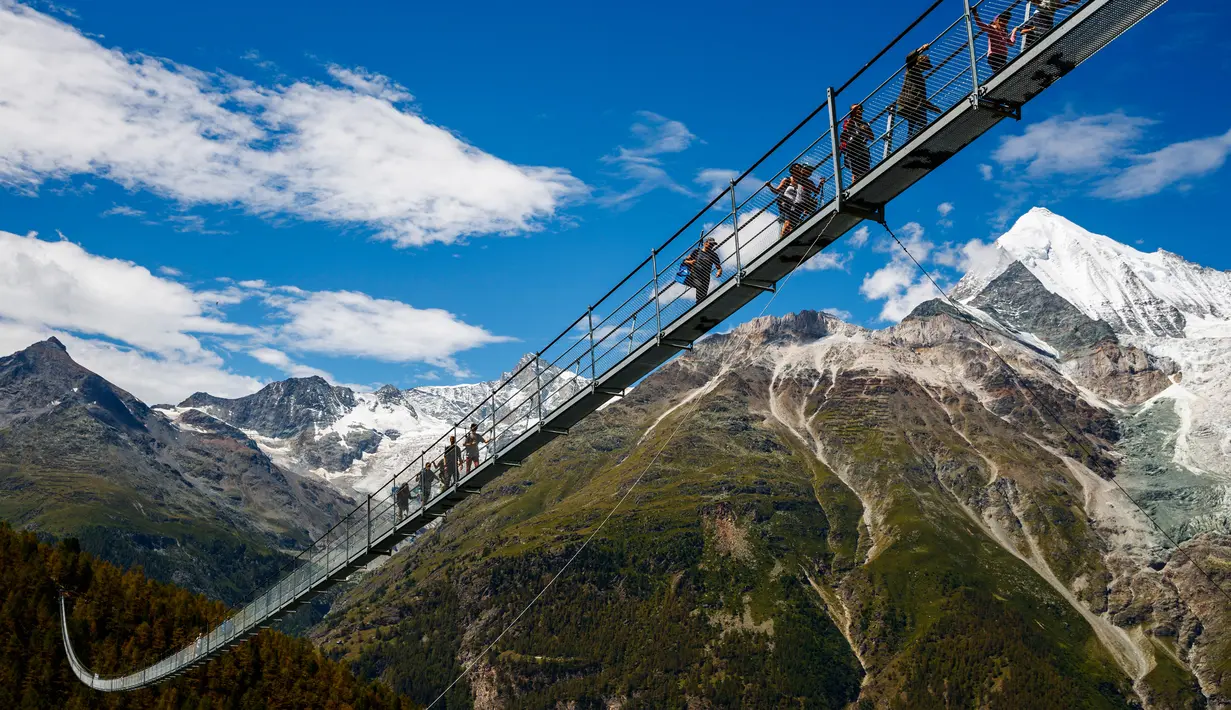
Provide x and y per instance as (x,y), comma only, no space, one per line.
(197,503)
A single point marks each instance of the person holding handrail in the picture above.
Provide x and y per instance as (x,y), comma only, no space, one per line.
(797,197)
(700,263)
(998,38)
(913,103)
(1044,20)
(856,137)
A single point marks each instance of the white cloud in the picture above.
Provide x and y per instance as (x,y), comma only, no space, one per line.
(827,260)
(1063,145)
(899,283)
(169,271)
(283,362)
(163,340)
(1153,172)
(1103,147)
(124,211)
(153,379)
(985,171)
(60,285)
(344,153)
(944,209)
(978,255)
(354,324)
(860,237)
(658,135)
(838,313)
(715,180)
(370,84)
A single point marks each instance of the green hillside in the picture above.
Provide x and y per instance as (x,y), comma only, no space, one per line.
(739,574)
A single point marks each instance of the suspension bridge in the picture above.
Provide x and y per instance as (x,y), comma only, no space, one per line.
(650,316)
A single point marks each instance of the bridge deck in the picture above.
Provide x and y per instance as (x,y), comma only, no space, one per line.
(647,318)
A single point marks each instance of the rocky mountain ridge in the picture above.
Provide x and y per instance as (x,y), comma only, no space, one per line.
(357,440)
(198,504)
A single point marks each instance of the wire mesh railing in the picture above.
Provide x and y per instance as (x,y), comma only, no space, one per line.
(827,154)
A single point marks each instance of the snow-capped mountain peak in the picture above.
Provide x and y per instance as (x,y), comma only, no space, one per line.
(1136,293)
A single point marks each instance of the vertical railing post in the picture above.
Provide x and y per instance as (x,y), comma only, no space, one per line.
(593,365)
(889,131)
(1024,21)
(369,522)
(739,267)
(658,307)
(833,140)
(492,441)
(974,55)
(538,384)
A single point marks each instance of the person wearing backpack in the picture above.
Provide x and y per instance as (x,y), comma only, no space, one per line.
(797,197)
(403,500)
(856,137)
(700,263)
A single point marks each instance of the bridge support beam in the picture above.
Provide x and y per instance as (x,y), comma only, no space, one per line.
(873,214)
(759,285)
(1004,108)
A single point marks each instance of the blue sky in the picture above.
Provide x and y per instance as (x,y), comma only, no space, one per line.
(419,193)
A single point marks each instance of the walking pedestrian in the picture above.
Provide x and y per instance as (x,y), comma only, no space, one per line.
(856,135)
(471,441)
(425,482)
(452,461)
(700,263)
(913,103)
(403,499)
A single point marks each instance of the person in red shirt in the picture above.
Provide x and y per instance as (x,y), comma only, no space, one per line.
(998,38)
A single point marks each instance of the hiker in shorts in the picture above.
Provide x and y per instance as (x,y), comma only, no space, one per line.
(700,263)
(471,441)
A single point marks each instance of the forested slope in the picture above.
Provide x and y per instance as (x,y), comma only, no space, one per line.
(121,621)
